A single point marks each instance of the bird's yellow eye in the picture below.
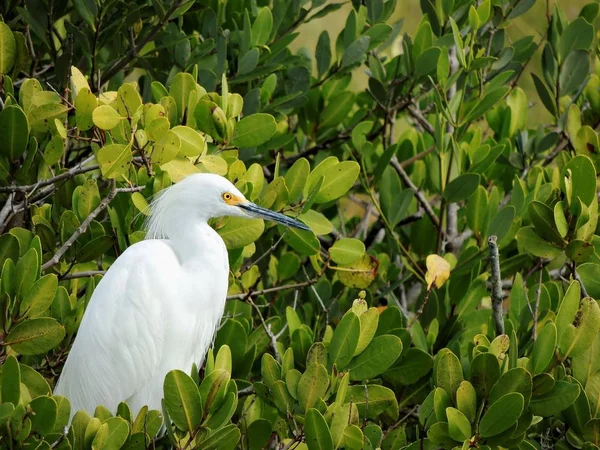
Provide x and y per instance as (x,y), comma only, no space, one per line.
(229,198)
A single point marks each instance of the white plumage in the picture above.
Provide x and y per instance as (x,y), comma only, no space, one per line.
(159,304)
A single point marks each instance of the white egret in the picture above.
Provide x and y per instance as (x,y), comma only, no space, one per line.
(158,306)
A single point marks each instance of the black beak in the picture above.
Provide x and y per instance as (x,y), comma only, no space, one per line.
(264,213)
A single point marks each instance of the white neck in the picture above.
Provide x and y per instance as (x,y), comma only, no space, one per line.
(197,242)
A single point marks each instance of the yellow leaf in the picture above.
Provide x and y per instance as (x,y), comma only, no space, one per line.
(438,271)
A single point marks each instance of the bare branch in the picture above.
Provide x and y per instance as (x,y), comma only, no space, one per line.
(418,194)
(134,51)
(84,274)
(496,287)
(272,289)
(420,118)
(6,210)
(83,227)
(79,169)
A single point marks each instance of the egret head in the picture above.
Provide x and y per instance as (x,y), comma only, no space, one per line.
(202,197)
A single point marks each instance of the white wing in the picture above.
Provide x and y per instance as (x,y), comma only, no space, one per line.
(120,343)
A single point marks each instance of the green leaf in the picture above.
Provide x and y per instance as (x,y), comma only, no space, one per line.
(323,53)
(379,355)
(485,372)
(448,371)
(224,438)
(9,248)
(490,100)
(213,389)
(317,434)
(237,232)
(295,179)
(44,417)
(559,398)
(254,130)
(544,93)
(534,244)
(458,42)
(412,367)
(8,49)
(577,36)
(459,427)
(368,327)
(501,415)
(517,102)
(578,336)
(166,149)
(181,87)
(304,242)
(590,276)
(106,117)
(542,217)
(581,174)
(461,187)
(262,27)
(353,438)
(338,180)
(336,110)
(544,348)
(114,160)
(39,298)
(568,306)
(35,336)
(560,220)
(317,222)
(11,381)
(514,380)
(248,62)
(233,335)
(86,198)
(54,150)
(346,250)
(395,202)
(427,63)
(371,400)
(361,273)
(192,142)
(36,384)
(356,52)
(573,72)
(312,386)
(466,400)
(111,435)
(344,340)
(182,400)
(128,100)
(14,129)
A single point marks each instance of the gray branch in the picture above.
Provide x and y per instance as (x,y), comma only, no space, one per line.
(496,285)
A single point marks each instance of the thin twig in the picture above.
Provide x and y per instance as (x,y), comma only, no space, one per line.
(79,169)
(131,55)
(272,289)
(584,293)
(6,210)
(246,391)
(84,274)
(496,287)
(83,227)
(420,118)
(418,194)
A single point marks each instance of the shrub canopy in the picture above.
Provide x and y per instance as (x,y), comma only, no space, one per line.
(446,296)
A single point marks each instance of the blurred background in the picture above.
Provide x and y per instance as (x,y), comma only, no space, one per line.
(533,23)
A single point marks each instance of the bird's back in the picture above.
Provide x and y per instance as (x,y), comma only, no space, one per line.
(149,314)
